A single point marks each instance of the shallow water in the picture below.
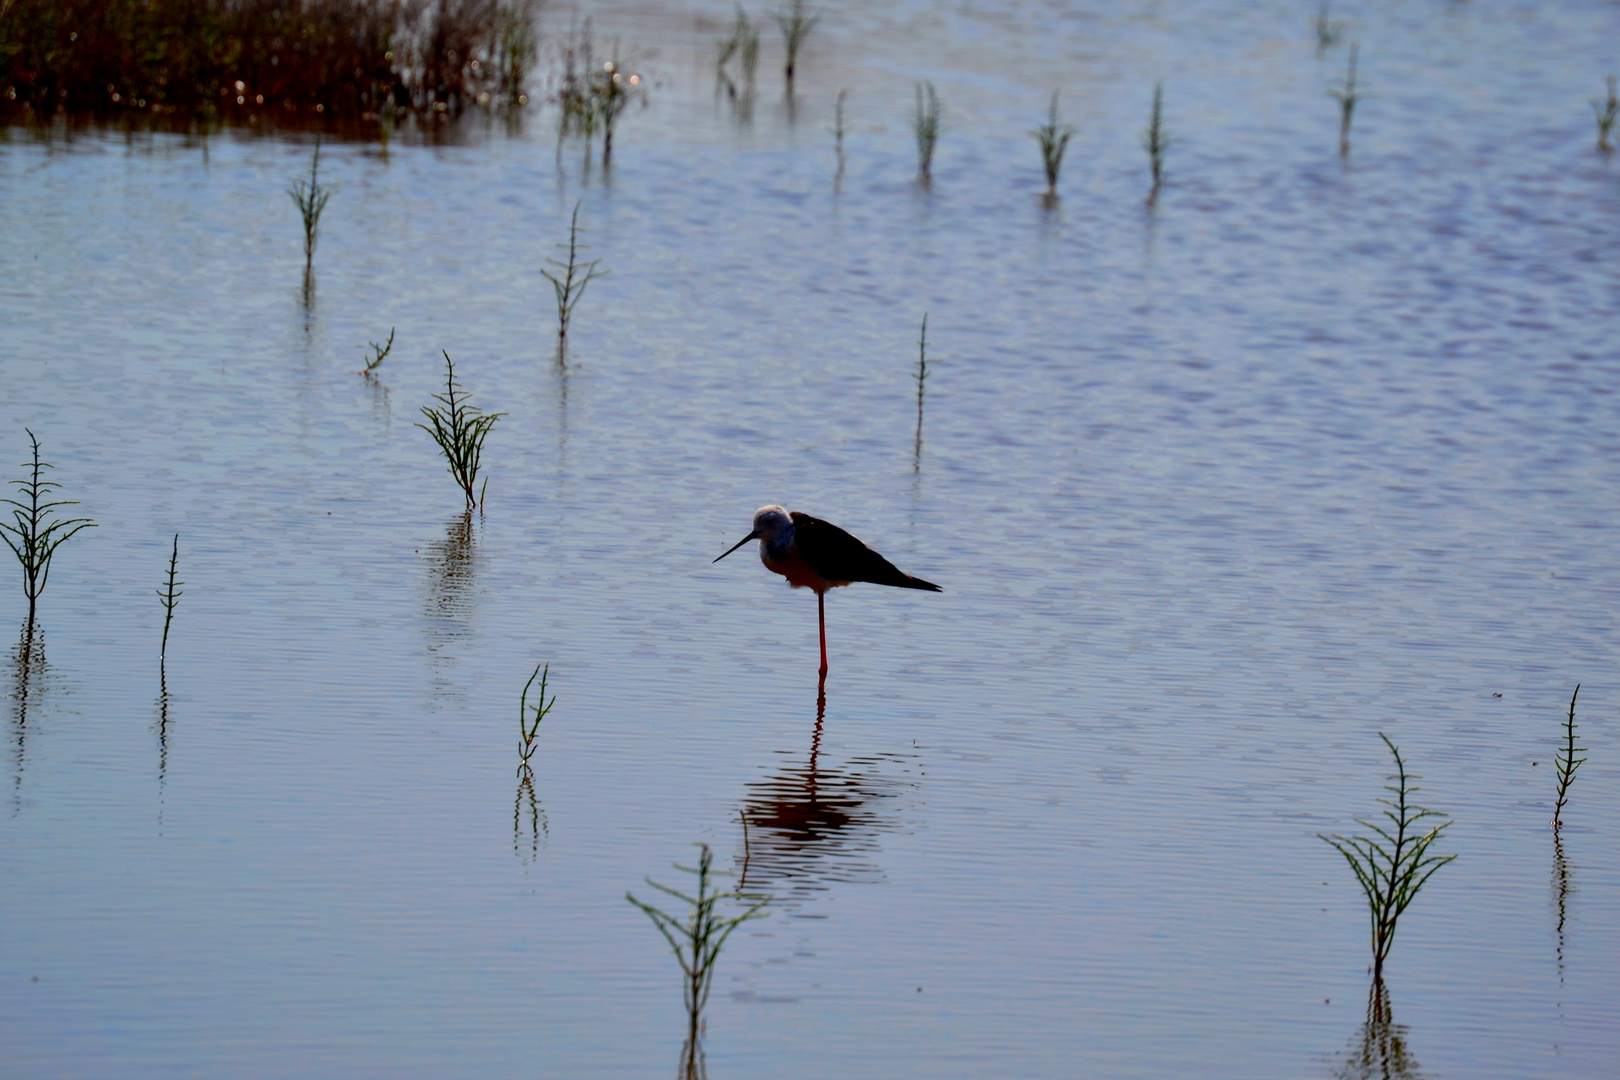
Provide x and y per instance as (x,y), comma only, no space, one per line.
(1313,449)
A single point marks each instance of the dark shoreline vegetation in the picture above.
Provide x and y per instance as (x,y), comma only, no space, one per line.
(180,63)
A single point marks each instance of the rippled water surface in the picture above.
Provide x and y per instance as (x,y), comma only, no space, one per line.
(1216,491)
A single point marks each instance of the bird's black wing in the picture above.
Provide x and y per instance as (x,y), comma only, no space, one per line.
(838,556)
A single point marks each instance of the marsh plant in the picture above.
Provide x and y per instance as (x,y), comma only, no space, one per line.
(266,62)
(35,531)
(795,22)
(311,197)
(696,939)
(1394,864)
(529,717)
(1155,140)
(576,111)
(460,428)
(1347,96)
(925,125)
(1606,111)
(613,89)
(1566,761)
(1053,138)
(570,279)
(1327,31)
(170,594)
(379,353)
(741,45)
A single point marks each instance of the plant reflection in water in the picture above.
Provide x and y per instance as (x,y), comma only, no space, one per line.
(28,675)
(450,590)
(696,940)
(1563,887)
(1379,1050)
(527,731)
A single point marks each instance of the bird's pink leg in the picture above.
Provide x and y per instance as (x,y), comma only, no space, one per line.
(821,615)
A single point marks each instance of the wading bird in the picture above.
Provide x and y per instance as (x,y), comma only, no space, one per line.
(816,554)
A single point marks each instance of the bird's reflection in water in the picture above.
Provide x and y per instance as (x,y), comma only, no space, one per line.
(810,826)
(452,563)
(1379,1051)
(28,670)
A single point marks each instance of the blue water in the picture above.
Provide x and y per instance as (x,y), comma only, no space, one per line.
(1217,491)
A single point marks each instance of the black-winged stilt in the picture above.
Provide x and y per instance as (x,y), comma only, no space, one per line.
(816,554)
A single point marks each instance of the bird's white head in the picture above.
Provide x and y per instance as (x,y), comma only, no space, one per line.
(773,528)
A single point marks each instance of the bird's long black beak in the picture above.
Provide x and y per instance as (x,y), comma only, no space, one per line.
(751,536)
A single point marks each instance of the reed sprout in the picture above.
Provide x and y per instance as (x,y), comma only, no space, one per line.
(696,940)
(925,125)
(570,280)
(1566,761)
(460,428)
(379,354)
(1327,31)
(1053,139)
(536,712)
(1607,112)
(170,594)
(1155,140)
(311,197)
(35,532)
(1393,866)
(795,22)
(576,109)
(1347,96)
(741,45)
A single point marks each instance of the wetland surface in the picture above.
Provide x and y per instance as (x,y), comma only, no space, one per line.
(1314,449)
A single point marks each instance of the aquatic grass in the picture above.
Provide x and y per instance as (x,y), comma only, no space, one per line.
(1053,139)
(1155,140)
(570,281)
(925,126)
(1607,111)
(311,197)
(460,428)
(1393,867)
(696,940)
(379,354)
(1347,96)
(35,532)
(1566,762)
(612,89)
(576,107)
(741,45)
(537,712)
(170,594)
(795,22)
(1327,31)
